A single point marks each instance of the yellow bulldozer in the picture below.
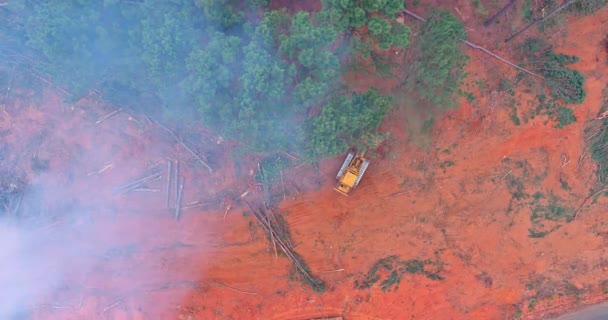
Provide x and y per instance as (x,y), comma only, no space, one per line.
(351,172)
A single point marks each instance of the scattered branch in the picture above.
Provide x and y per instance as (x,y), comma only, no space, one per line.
(108,116)
(108,308)
(585,201)
(396,194)
(102,170)
(235,289)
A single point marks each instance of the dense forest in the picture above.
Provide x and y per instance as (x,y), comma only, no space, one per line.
(269,79)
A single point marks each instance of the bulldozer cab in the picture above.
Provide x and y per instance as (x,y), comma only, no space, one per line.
(350,173)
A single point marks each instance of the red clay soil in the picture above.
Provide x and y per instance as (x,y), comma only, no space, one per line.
(128,258)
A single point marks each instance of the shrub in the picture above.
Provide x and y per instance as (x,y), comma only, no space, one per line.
(564,83)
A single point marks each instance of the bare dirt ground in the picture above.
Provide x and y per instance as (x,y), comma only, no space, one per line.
(465,204)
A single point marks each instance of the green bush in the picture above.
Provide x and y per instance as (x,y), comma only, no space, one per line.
(564,83)
(563,116)
(587,7)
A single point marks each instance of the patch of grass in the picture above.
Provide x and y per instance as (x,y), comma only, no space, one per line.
(468,95)
(551,212)
(532,303)
(563,116)
(604,286)
(482,84)
(480,8)
(427,125)
(517,315)
(394,269)
(446,164)
(548,217)
(537,234)
(515,118)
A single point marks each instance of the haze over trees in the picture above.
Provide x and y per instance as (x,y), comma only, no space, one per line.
(270,79)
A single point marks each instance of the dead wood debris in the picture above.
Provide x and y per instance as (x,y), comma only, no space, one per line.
(145,190)
(102,170)
(234,289)
(558,9)
(396,194)
(501,11)
(111,306)
(108,116)
(176,177)
(178,201)
(282,240)
(169,177)
(196,156)
(190,206)
(137,183)
(565,159)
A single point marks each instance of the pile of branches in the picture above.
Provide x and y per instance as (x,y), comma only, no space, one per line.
(278,233)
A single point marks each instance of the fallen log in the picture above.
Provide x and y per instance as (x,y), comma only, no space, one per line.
(501,11)
(183,144)
(563,6)
(178,201)
(108,116)
(176,175)
(169,174)
(137,183)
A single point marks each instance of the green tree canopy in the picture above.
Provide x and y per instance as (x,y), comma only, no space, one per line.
(346,121)
(371,21)
(440,61)
(254,76)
